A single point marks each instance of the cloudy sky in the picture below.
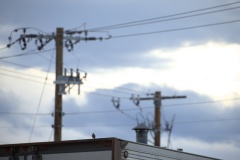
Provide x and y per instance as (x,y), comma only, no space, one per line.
(187,48)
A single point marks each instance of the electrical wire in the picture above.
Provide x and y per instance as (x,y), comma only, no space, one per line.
(83,25)
(156,18)
(171,19)
(204,102)
(176,29)
(22,78)
(51,84)
(131,109)
(21,54)
(44,126)
(121,88)
(21,65)
(51,134)
(94,93)
(25,114)
(40,100)
(206,121)
(26,53)
(13,71)
(124,125)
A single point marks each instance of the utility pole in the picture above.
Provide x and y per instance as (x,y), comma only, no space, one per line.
(157,99)
(62,39)
(157,119)
(58,97)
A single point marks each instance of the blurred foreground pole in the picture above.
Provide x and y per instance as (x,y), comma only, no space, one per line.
(58,97)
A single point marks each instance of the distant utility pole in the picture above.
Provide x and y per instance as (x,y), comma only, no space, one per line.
(157,99)
(62,39)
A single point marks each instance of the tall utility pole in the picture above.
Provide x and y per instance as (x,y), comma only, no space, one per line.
(58,97)
(62,39)
(157,99)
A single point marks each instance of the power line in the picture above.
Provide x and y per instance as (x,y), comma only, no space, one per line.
(13,71)
(131,109)
(26,53)
(45,126)
(18,77)
(178,123)
(204,102)
(206,121)
(122,88)
(40,100)
(36,81)
(165,20)
(156,18)
(119,90)
(21,54)
(124,125)
(21,65)
(176,29)
(25,114)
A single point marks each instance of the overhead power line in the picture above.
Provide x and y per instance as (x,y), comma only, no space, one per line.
(51,84)
(40,100)
(21,54)
(26,53)
(124,125)
(23,78)
(170,19)
(131,109)
(21,65)
(176,29)
(206,121)
(157,18)
(118,90)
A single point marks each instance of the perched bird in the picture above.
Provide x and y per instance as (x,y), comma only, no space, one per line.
(93,136)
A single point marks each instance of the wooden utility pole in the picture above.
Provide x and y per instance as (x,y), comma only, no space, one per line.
(58,97)
(62,81)
(157,119)
(157,99)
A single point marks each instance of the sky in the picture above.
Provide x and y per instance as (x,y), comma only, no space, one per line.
(188,48)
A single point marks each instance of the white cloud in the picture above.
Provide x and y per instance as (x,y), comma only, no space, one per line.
(210,69)
(28,88)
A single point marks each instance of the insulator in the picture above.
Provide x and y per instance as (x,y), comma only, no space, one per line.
(40,48)
(22,43)
(86,33)
(69,45)
(24,30)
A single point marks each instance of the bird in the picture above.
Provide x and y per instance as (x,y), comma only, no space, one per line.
(93,136)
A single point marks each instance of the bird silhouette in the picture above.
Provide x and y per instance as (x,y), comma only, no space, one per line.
(93,136)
